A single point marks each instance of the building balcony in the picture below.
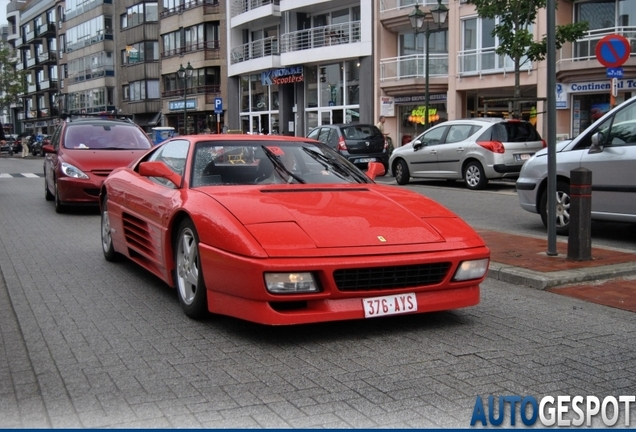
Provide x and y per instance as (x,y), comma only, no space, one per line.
(319,37)
(207,90)
(31,62)
(260,48)
(262,13)
(210,7)
(19,42)
(46,57)
(485,62)
(239,7)
(394,14)
(48,84)
(45,30)
(212,50)
(19,65)
(29,37)
(87,6)
(585,48)
(32,88)
(92,73)
(413,66)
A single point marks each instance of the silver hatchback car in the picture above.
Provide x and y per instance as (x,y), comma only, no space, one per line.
(476,150)
(608,149)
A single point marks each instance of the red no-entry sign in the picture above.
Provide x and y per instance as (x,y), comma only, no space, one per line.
(613,50)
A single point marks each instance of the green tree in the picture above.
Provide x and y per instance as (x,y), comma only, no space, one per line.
(12,82)
(514,19)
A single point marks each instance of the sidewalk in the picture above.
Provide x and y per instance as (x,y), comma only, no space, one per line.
(608,279)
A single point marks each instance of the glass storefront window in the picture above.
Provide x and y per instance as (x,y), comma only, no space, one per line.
(259,94)
(311,86)
(353,82)
(245,93)
(331,85)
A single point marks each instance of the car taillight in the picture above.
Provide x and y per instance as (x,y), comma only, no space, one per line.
(493,146)
(545,144)
(341,144)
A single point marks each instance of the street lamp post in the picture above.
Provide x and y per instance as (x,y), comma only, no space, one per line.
(418,18)
(184,74)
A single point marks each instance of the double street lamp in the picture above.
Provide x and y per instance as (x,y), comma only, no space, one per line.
(184,74)
(418,18)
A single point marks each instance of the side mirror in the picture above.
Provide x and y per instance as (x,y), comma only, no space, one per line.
(596,146)
(48,148)
(159,169)
(375,169)
(417,144)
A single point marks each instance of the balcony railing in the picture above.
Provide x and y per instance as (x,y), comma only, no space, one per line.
(257,49)
(585,48)
(45,29)
(413,66)
(85,8)
(92,73)
(390,5)
(32,88)
(486,61)
(206,89)
(192,4)
(31,62)
(49,56)
(48,84)
(319,37)
(90,40)
(29,36)
(197,46)
(242,6)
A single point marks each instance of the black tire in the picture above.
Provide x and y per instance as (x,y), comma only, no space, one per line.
(107,239)
(188,275)
(402,174)
(562,208)
(59,207)
(474,176)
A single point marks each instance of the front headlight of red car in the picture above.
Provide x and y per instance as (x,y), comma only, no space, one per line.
(474,269)
(290,283)
(73,171)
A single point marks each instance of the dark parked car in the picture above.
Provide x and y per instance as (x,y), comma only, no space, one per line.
(12,145)
(359,143)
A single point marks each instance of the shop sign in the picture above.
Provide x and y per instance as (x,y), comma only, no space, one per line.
(599,86)
(292,74)
(178,105)
(417,115)
(438,97)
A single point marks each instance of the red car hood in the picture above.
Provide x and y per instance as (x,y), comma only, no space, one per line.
(334,217)
(101,160)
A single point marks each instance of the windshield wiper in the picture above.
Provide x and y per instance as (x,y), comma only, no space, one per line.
(334,165)
(280,167)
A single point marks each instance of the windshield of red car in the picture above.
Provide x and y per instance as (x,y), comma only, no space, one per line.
(270,162)
(106,136)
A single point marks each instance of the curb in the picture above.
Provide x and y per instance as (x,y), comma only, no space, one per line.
(543,280)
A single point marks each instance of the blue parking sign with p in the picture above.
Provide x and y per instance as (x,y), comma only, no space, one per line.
(218,105)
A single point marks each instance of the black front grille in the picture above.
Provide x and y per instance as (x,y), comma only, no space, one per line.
(386,278)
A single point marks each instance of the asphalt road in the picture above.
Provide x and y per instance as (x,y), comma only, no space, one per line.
(87,343)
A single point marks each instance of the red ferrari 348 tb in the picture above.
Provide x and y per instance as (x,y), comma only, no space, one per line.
(283,230)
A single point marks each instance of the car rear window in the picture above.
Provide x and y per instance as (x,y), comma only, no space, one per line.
(360,132)
(511,131)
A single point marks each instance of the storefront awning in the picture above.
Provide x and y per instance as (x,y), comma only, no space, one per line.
(147,120)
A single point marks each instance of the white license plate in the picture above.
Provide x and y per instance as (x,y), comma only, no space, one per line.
(523,157)
(363,160)
(389,305)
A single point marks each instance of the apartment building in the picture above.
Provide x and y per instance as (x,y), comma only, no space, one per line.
(467,78)
(293,65)
(32,34)
(192,40)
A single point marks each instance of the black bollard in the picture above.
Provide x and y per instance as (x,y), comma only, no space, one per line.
(580,238)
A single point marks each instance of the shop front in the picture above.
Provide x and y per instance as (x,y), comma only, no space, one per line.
(590,100)
(196,122)
(412,112)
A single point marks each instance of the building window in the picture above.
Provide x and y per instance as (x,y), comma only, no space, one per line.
(142,90)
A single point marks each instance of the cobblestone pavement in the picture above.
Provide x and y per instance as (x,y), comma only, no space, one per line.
(86,343)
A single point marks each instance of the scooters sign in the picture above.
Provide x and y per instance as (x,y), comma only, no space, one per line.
(613,50)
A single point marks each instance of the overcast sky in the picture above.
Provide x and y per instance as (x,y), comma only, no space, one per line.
(3,11)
